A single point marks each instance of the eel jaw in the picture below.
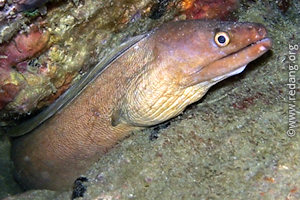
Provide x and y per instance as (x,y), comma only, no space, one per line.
(236,71)
(228,65)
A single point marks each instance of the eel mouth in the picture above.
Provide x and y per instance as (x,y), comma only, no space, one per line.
(230,64)
(235,63)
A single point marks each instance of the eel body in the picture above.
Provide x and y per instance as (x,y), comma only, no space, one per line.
(152,81)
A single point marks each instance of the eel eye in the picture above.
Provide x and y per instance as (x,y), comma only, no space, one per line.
(222,39)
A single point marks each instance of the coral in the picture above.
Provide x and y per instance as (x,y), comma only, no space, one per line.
(23,46)
(15,14)
(8,93)
(208,9)
(9,86)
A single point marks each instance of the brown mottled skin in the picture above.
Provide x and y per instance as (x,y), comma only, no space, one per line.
(152,82)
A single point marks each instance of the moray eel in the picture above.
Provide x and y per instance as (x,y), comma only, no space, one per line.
(151,81)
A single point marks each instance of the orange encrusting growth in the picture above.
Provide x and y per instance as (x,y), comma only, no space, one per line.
(187,4)
(208,9)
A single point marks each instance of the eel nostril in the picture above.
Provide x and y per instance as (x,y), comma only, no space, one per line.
(261,31)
